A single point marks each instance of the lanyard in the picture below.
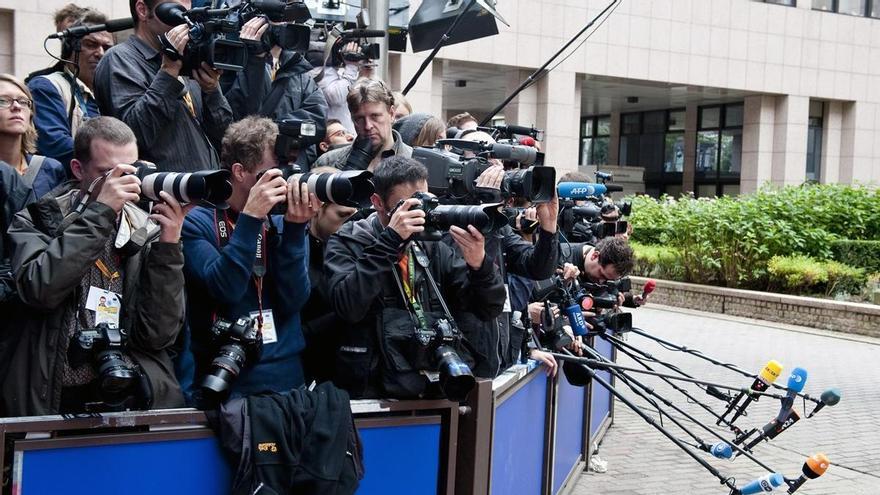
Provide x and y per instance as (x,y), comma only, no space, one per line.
(225,226)
(408,274)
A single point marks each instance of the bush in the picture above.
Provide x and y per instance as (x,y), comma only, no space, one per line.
(656,261)
(862,254)
(730,240)
(801,274)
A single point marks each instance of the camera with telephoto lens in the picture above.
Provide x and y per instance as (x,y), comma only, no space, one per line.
(439,218)
(453,173)
(240,344)
(350,188)
(438,344)
(207,38)
(209,188)
(118,385)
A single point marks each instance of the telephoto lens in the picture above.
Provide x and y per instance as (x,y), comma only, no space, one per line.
(456,378)
(351,188)
(209,188)
(537,184)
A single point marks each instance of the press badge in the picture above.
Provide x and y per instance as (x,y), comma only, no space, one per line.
(106,304)
(270,336)
(507,308)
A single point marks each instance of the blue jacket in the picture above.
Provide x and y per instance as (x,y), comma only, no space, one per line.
(55,138)
(220,282)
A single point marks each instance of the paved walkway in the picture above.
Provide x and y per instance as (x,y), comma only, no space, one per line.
(643,462)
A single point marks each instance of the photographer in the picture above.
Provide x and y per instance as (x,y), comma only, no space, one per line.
(178,119)
(371,263)
(65,101)
(372,108)
(246,262)
(336,136)
(275,84)
(336,82)
(65,258)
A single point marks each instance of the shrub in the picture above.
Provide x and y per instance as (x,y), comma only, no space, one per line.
(844,278)
(801,274)
(656,261)
(862,254)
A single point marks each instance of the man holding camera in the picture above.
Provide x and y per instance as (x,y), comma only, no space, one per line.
(250,262)
(178,118)
(73,248)
(372,108)
(379,279)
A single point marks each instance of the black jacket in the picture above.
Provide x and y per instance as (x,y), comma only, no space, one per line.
(319,322)
(358,262)
(300,442)
(496,344)
(293,93)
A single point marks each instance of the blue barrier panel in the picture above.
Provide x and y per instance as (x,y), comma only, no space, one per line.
(192,467)
(518,439)
(601,403)
(570,409)
(401,460)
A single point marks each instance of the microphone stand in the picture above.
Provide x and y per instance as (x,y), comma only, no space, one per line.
(648,419)
(443,39)
(647,389)
(529,80)
(699,354)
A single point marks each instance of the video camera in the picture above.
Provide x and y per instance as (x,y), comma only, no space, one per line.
(208,30)
(439,218)
(453,174)
(240,343)
(368,51)
(209,188)
(602,299)
(119,385)
(585,210)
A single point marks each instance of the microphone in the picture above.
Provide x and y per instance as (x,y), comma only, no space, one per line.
(767,376)
(580,190)
(829,397)
(815,466)
(721,450)
(110,26)
(363,33)
(527,141)
(521,130)
(171,13)
(772,429)
(762,485)
(796,381)
(522,154)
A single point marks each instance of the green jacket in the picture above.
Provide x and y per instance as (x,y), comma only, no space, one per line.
(49,261)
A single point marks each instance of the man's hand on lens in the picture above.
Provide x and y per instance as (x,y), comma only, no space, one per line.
(568,271)
(491,177)
(301,206)
(270,190)
(207,77)
(178,36)
(548,213)
(120,186)
(472,244)
(169,215)
(253,30)
(406,221)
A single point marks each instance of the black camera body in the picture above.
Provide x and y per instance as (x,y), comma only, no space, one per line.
(368,51)
(119,385)
(453,175)
(439,218)
(239,343)
(603,301)
(287,30)
(207,38)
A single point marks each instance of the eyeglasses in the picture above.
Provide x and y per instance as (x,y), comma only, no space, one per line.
(6,102)
(340,132)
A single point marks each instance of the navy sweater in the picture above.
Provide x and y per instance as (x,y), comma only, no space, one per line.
(220,282)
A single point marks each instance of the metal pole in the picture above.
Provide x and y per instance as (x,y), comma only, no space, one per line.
(378,11)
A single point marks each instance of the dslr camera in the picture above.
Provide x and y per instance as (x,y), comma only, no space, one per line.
(209,188)
(119,386)
(453,173)
(239,343)
(439,218)
(436,349)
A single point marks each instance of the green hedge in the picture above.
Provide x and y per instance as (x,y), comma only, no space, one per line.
(801,274)
(862,254)
(729,241)
(656,261)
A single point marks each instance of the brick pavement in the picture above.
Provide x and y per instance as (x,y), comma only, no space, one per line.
(643,462)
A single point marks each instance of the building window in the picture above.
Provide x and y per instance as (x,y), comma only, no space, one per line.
(654,141)
(790,3)
(849,7)
(673,146)
(595,137)
(719,150)
(814,140)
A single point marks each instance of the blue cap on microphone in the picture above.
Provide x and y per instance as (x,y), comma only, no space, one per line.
(721,450)
(580,190)
(797,379)
(763,485)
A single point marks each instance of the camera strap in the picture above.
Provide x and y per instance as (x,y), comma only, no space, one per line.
(224,228)
(420,254)
(407,287)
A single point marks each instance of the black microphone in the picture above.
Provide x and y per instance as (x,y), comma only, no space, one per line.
(762,382)
(171,13)
(362,33)
(829,397)
(772,429)
(110,26)
(520,130)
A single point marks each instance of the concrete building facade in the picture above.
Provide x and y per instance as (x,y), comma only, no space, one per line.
(709,96)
